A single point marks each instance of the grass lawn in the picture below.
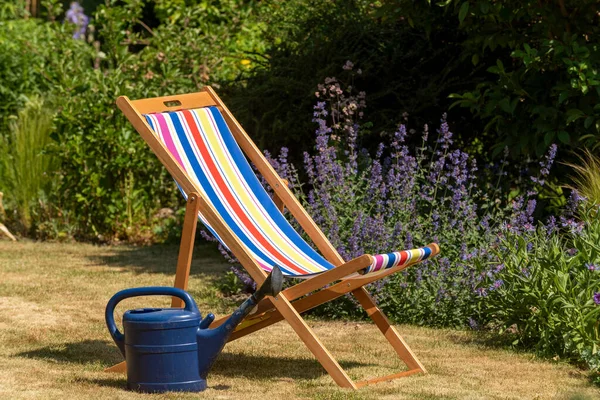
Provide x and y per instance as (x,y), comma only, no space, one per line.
(54,343)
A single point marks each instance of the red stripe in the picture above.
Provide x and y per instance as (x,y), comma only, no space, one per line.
(229,197)
(403,257)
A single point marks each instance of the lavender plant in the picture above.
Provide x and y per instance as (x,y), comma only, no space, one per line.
(404,196)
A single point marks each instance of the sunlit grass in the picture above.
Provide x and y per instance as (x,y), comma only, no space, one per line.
(54,343)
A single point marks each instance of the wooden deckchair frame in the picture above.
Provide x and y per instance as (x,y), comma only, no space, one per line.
(270,310)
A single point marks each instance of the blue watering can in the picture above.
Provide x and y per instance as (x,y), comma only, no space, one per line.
(172,349)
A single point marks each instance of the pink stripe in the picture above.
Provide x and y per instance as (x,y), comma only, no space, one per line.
(378,262)
(168,140)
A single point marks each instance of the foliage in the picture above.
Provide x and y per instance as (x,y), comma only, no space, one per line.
(229,284)
(26,169)
(546,289)
(108,183)
(403,69)
(587,176)
(523,73)
(542,58)
(21,42)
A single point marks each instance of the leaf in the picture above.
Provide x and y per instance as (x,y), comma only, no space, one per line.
(484,7)
(585,89)
(588,122)
(462,13)
(505,105)
(562,97)
(500,65)
(548,137)
(475,59)
(574,114)
(563,136)
(561,279)
(513,105)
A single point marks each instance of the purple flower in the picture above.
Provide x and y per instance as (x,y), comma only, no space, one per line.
(248,282)
(591,267)
(551,226)
(575,199)
(76,16)
(473,324)
(571,224)
(497,284)
(597,298)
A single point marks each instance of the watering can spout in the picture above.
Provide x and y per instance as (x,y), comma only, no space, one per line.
(212,341)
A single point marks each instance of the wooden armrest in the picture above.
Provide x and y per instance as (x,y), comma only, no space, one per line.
(327,277)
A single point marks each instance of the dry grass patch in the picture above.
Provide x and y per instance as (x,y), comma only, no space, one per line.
(54,344)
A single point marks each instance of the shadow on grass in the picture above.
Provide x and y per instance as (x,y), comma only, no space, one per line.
(265,367)
(119,381)
(85,352)
(228,364)
(162,259)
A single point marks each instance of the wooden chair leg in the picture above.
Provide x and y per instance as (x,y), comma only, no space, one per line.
(186,246)
(313,343)
(120,368)
(390,333)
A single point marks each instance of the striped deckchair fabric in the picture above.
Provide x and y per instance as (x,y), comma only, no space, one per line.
(204,147)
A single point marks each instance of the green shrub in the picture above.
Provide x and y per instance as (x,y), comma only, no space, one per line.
(109,185)
(546,290)
(542,58)
(403,71)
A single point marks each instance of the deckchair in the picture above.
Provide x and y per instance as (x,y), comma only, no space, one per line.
(204,148)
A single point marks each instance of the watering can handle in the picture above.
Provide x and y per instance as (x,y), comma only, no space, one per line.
(117,336)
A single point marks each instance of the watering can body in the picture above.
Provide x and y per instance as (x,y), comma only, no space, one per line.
(160,345)
(172,349)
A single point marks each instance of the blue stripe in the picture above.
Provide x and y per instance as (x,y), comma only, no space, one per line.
(150,122)
(427,251)
(392,259)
